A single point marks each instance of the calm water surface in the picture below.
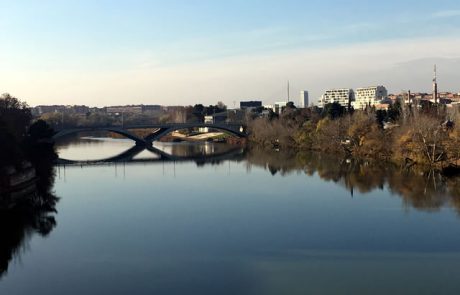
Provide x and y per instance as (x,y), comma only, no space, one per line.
(255,223)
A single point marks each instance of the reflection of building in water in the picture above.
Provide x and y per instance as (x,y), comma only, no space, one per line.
(209,149)
(192,150)
(185,150)
(198,149)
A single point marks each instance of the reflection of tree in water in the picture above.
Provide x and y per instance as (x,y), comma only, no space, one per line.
(453,185)
(425,190)
(420,189)
(33,214)
(275,162)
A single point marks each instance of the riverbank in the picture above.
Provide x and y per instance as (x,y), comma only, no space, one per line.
(427,139)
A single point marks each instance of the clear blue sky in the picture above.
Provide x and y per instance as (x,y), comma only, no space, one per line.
(48,44)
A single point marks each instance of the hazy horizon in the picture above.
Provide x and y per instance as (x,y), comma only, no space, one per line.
(182,53)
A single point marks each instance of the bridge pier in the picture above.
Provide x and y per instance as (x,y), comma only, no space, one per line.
(143,143)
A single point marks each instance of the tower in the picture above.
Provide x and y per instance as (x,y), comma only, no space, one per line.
(435,86)
(303,103)
(288,91)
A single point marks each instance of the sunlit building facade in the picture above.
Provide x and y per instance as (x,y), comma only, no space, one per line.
(343,96)
(369,96)
(303,102)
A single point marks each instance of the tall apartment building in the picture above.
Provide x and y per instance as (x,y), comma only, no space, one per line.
(343,96)
(303,102)
(369,96)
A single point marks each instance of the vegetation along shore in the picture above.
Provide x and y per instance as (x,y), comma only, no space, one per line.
(425,134)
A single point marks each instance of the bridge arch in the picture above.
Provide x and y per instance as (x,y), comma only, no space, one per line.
(117,130)
(163,131)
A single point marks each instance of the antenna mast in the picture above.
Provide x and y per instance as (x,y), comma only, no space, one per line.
(288,90)
(435,86)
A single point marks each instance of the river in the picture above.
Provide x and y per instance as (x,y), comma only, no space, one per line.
(214,219)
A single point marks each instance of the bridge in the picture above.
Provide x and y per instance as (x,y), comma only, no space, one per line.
(160,130)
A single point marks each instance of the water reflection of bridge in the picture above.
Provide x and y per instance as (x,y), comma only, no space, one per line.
(159,156)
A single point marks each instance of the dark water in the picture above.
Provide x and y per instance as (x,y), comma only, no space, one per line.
(243,222)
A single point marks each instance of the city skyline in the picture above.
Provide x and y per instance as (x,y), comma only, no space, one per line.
(179,53)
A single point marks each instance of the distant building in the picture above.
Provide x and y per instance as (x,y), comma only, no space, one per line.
(265,113)
(303,102)
(279,106)
(369,96)
(269,107)
(216,118)
(124,109)
(82,109)
(250,104)
(382,106)
(343,96)
(44,109)
(151,108)
(393,97)
(446,101)
(235,116)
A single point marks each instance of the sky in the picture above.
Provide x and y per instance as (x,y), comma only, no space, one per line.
(183,52)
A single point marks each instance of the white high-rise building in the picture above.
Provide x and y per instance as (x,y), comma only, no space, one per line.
(369,96)
(303,102)
(343,96)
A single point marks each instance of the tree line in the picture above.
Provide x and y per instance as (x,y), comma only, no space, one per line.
(29,212)
(423,133)
(21,138)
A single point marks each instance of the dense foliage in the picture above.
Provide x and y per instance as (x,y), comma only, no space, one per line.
(427,134)
(20,138)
